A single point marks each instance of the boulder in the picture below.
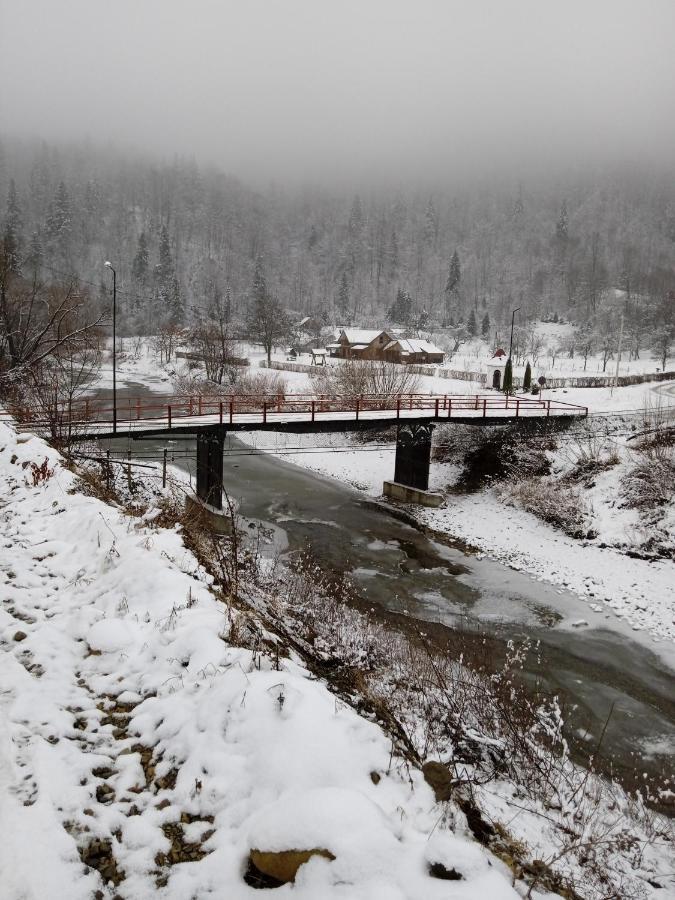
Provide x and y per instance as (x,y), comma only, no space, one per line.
(283,865)
(439,779)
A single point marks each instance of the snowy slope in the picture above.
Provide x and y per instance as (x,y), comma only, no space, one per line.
(134,735)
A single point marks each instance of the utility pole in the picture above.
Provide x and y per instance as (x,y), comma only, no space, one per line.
(114,345)
(618,359)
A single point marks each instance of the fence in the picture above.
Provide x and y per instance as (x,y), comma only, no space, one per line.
(576,381)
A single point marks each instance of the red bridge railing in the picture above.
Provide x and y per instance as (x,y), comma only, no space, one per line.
(226,408)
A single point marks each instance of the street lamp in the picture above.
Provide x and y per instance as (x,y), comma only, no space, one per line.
(513,315)
(108,265)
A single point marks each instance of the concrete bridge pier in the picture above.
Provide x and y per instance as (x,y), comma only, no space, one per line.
(210,446)
(411,468)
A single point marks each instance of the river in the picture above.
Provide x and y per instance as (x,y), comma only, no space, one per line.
(595,668)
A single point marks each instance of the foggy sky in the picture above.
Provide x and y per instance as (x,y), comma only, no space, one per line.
(324,89)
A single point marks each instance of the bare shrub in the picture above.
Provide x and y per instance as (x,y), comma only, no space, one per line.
(265,384)
(356,377)
(592,450)
(556,502)
(657,437)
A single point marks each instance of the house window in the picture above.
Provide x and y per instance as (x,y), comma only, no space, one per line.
(381,338)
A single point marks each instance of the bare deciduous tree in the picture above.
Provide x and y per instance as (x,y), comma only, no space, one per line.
(166,340)
(39,322)
(215,346)
(267,323)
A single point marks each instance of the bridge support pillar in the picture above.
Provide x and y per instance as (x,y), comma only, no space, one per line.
(411,469)
(210,448)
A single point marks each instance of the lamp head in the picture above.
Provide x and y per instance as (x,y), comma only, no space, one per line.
(108,264)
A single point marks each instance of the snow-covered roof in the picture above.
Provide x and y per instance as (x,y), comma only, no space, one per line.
(319,352)
(415,345)
(361,335)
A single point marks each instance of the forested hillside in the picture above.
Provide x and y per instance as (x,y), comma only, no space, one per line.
(185,239)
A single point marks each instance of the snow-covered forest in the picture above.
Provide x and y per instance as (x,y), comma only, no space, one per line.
(186,239)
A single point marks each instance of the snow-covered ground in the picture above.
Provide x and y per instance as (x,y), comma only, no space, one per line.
(137,363)
(138,740)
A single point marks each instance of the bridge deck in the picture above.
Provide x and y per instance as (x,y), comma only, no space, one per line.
(304,413)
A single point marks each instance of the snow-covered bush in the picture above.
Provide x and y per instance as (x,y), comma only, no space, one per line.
(650,483)
(556,502)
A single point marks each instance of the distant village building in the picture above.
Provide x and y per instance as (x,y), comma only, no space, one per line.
(495,369)
(361,343)
(413,351)
(308,325)
(385,345)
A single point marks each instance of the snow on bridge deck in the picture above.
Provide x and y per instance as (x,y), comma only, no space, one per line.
(302,412)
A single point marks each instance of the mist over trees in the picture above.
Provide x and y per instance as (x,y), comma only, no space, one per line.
(184,238)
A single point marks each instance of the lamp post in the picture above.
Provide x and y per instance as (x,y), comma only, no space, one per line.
(508,371)
(513,316)
(114,344)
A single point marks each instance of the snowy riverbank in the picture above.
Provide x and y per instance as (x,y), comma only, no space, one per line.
(640,592)
(138,739)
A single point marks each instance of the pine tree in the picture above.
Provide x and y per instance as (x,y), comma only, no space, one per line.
(452,285)
(507,387)
(562,225)
(393,253)
(175,298)
(343,297)
(401,311)
(356,220)
(472,324)
(518,206)
(141,263)
(454,275)
(430,223)
(35,255)
(166,284)
(485,325)
(59,221)
(12,237)
(527,378)
(164,269)
(259,290)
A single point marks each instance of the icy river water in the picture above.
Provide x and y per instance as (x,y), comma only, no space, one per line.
(593,661)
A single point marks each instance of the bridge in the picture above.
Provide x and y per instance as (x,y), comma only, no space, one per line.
(210,418)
